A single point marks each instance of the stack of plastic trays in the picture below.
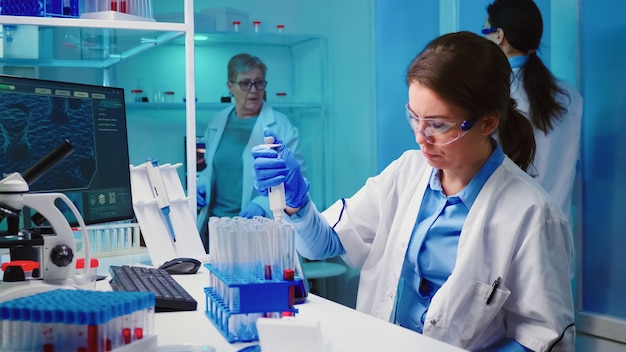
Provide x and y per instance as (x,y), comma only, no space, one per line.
(113,239)
(251,274)
(76,320)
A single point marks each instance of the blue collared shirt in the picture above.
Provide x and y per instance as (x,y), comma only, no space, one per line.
(431,255)
(518,61)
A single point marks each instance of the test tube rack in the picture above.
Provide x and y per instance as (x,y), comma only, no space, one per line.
(79,320)
(249,300)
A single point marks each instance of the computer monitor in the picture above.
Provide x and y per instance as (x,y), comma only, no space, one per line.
(36,115)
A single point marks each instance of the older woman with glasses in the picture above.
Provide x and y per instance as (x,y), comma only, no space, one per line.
(454,240)
(226,186)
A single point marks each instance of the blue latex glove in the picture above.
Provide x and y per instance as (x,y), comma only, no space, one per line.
(272,168)
(201,195)
(251,210)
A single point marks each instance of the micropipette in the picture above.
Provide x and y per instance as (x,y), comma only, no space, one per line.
(276,194)
(158,189)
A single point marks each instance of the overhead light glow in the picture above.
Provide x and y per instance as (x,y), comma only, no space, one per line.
(200,37)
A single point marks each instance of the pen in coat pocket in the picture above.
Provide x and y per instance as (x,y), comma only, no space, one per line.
(494,287)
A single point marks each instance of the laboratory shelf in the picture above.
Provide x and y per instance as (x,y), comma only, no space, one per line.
(253,38)
(217,106)
(90,43)
(92,23)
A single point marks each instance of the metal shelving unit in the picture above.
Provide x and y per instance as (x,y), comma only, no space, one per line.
(103,43)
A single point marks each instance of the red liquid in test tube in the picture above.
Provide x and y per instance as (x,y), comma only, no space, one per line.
(268,272)
(289,275)
(127,336)
(122,7)
(92,338)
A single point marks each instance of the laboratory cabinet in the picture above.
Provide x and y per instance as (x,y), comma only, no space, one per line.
(164,56)
(296,75)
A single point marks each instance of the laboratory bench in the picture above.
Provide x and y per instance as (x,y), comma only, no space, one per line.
(342,328)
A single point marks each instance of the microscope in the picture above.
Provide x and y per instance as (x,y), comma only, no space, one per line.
(55,250)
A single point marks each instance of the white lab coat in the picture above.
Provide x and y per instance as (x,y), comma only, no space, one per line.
(268,117)
(558,152)
(512,231)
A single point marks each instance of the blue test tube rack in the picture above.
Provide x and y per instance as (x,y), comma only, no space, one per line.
(252,299)
(78,320)
(40,8)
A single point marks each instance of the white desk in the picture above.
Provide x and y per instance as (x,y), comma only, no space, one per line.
(343,328)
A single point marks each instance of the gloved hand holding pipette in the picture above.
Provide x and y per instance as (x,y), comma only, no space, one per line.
(273,167)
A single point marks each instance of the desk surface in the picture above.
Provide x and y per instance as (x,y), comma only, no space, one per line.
(343,328)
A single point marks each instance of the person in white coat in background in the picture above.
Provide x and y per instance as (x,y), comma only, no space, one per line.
(553,106)
(225,188)
(454,240)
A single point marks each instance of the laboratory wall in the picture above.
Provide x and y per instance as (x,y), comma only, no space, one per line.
(603,57)
(403,28)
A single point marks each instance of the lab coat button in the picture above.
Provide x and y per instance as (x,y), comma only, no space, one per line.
(403,244)
(389,294)
(433,322)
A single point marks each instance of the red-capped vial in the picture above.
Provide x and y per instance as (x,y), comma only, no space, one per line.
(80,263)
(280,28)
(281,97)
(137,94)
(236,25)
(169,96)
(256,25)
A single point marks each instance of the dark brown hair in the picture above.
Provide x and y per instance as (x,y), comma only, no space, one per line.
(523,26)
(473,73)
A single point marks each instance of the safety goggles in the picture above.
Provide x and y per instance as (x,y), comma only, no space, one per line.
(437,131)
(486,31)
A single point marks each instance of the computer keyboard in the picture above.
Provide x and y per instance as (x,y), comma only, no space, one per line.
(170,295)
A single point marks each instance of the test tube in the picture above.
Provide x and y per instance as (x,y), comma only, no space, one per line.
(256,25)
(266,247)
(280,28)
(287,246)
(236,25)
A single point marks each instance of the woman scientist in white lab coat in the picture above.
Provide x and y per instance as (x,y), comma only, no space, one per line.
(454,240)
(225,188)
(553,106)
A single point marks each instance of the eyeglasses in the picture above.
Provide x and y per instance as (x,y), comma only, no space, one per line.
(247,85)
(437,131)
(486,31)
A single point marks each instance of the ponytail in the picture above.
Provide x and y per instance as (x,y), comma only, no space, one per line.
(516,137)
(542,89)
